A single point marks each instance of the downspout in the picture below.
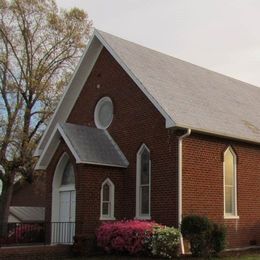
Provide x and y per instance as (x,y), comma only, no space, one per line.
(180,181)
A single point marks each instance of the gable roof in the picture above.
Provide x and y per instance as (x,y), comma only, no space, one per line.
(88,145)
(187,95)
(192,96)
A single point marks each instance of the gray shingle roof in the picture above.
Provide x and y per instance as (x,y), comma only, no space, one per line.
(192,96)
(28,213)
(93,146)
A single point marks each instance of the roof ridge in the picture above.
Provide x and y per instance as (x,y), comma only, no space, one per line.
(179,59)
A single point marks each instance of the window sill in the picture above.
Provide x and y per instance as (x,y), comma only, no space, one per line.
(231,217)
(107,218)
(143,218)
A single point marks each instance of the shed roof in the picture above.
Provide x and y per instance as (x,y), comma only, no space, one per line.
(27,214)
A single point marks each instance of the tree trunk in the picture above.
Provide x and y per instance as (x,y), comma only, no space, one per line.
(5,201)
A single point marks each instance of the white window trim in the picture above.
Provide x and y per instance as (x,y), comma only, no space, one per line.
(138,214)
(235,214)
(96,112)
(112,198)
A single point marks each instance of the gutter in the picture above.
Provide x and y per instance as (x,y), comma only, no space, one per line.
(180,181)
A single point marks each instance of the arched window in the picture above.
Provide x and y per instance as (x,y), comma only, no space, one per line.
(143,183)
(68,177)
(107,200)
(230,183)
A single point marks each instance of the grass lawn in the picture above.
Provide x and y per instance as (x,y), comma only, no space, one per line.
(241,257)
(248,257)
(252,254)
(245,255)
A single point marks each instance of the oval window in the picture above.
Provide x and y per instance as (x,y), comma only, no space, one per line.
(104,113)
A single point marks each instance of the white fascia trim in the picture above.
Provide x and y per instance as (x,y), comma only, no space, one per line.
(217,134)
(92,50)
(168,120)
(38,151)
(39,165)
(102,164)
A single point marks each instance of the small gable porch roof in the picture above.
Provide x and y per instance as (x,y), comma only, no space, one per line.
(88,146)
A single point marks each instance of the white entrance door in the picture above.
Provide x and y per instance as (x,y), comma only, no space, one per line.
(67,206)
(63,202)
(67,216)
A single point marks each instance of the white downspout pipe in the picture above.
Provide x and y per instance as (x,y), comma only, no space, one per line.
(180,181)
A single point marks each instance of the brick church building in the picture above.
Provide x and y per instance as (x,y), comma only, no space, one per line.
(140,134)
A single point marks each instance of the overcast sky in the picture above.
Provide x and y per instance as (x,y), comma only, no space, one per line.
(217,34)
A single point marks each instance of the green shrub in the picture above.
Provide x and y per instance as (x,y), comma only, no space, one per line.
(164,241)
(194,224)
(206,238)
(197,230)
(218,238)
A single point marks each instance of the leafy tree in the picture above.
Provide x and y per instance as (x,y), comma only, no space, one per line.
(39,48)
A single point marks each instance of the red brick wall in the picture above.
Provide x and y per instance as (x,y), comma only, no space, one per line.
(29,195)
(88,195)
(136,121)
(203,185)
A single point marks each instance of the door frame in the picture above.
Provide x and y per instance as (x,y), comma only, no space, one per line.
(57,188)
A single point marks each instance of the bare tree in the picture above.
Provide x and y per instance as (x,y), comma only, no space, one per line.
(39,48)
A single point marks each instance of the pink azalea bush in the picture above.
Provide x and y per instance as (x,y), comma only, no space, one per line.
(125,236)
